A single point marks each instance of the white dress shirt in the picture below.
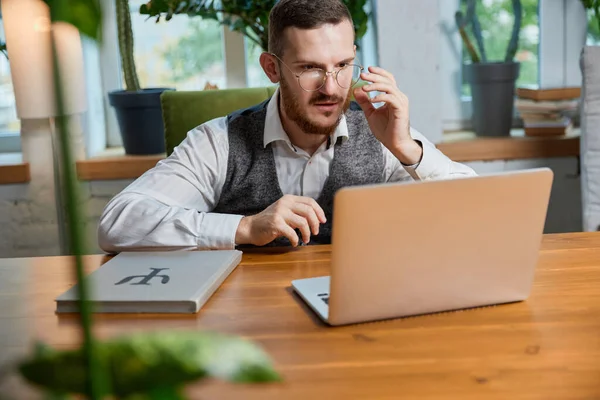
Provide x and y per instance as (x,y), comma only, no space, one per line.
(169,206)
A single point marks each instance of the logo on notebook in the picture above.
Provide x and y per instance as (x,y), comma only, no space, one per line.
(146,278)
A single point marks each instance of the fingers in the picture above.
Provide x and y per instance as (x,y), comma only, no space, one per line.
(380,87)
(287,231)
(306,211)
(297,221)
(387,98)
(315,206)
(375,78)
(300,212)
(363,100)
(383,72)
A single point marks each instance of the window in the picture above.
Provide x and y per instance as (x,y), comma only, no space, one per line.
(497,19)
(367,49)
(9,124)
(185,53)
(255,76)
(552,35)
(593,33)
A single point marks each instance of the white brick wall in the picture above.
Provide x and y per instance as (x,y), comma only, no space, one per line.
(27,222)
(101,192)
(29,213)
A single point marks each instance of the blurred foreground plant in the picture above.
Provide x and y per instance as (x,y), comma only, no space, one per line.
(151,365)
(145,365)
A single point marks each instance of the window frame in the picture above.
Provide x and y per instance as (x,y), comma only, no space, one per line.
(561,21)
(234,59)
(234,50)
(367,54)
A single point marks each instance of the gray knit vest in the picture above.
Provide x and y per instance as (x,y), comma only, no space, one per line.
(251,184)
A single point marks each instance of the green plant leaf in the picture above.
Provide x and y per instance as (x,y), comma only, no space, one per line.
(85,15)
(595,6)
(588,3)
(147,362)
(251,18)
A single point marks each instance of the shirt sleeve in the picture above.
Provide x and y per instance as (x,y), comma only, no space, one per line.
(433,164)
(169,207)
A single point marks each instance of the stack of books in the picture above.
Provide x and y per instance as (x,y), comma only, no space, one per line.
(548,112)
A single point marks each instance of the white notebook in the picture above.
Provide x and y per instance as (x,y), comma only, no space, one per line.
(154,282)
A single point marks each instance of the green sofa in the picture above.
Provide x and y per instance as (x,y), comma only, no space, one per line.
(183,111)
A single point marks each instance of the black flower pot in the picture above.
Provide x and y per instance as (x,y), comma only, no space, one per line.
(140,120)
(492,91)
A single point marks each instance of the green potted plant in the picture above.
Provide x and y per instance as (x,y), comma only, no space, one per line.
(492,82)
(593,19)
(138,110)
(250,18)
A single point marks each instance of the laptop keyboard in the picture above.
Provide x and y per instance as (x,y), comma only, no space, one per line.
(324,297)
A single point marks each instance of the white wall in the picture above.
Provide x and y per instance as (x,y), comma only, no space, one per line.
(408,34)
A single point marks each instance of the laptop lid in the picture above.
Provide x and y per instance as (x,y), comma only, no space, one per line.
(422,247)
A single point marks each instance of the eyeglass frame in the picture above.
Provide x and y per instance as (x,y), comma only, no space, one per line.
(326,74)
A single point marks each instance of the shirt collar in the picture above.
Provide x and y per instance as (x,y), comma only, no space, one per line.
(274,129)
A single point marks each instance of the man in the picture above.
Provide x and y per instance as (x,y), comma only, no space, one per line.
(268,174)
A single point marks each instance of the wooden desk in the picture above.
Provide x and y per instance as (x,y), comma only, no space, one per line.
(545,348)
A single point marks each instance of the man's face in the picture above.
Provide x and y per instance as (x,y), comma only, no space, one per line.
(328,47)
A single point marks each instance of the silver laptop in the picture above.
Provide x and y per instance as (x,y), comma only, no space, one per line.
(431,246)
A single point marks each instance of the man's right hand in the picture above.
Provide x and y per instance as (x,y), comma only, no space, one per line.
(280,219)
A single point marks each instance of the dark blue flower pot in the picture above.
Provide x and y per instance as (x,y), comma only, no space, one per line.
(140,120)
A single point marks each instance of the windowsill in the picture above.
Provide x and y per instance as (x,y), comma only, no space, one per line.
(13,169)
(459,146)
(113,164)
(465,146)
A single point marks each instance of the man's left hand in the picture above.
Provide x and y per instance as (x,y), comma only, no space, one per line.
(389,123)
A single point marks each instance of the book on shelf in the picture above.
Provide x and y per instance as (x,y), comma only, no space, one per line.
(548,112)
(154,282)
(545,116)
(548,128)
(550,94)
(527,105)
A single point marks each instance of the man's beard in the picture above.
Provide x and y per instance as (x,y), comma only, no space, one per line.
(291,106)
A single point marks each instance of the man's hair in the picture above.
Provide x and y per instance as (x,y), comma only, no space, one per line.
(303,14)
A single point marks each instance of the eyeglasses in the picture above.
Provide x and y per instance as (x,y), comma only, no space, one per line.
(313,79)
